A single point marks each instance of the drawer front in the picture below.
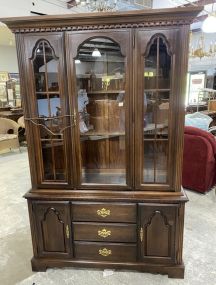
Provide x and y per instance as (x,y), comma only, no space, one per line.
(104,232)
(106,212)
(105,251)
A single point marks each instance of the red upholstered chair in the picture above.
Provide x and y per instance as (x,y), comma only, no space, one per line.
(199,160)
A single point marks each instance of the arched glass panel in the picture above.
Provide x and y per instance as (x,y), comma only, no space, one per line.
(156,100)
(45,65)
(100,73)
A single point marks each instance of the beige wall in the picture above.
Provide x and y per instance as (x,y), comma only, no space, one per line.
(8,59)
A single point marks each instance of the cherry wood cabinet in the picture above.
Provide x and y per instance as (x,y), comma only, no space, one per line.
(104,114)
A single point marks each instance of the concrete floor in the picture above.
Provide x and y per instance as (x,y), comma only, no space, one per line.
(16,250)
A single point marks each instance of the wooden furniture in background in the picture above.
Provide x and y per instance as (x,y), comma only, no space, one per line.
(11,115)
(105,137)
(8,134)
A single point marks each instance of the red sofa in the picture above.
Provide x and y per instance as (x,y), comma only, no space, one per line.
(199,160)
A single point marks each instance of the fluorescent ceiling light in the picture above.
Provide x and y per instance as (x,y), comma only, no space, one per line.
(96,53)
(77,61)
(209,25)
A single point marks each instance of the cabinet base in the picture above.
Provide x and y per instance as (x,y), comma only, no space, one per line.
(173,271)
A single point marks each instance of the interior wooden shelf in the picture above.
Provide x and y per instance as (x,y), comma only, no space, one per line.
(47,92)
(82,76)
(105,92)
(157,90)
(103,134)
(156,139)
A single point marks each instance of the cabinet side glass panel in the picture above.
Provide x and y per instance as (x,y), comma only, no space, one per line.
(157,68)
(100,73)
(49,115)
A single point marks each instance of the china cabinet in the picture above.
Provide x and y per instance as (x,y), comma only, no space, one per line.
(104,110)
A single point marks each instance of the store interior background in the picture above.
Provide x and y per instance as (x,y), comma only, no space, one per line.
(206,65)
(15,240)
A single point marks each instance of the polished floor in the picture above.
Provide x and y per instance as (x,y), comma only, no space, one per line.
(16,250)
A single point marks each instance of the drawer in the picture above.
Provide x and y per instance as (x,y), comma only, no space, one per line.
(106,212)
(105,251)
(104,232)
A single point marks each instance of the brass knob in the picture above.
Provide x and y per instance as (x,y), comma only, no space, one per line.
(141,234)
(105,252)
(103,212)
(67,232)
(104,233)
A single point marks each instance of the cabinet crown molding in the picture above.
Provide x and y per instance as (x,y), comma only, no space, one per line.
(103,21)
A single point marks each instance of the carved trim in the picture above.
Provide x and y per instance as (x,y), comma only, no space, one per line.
(152,216)
(56,212)
(102,37)
(165,41)
(157,23)
(34,51)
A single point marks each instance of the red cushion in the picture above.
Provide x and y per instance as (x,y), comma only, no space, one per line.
(199,132)
(199,165)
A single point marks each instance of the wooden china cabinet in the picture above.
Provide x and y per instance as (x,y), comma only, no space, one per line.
(104,113)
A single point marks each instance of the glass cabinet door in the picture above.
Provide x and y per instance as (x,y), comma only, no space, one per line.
(102,110)
(155,102)
(49,121)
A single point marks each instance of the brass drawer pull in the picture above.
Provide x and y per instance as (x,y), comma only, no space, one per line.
(105,252)
(103,212)
(141,234)
(74,118)
(104,233)
(67,232)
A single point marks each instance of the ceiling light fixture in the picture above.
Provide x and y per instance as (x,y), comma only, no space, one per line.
(77,61)
(200,51)
(209,24)
(96,53)
(98,5)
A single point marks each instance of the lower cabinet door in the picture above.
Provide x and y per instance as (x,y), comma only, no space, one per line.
(53,228)
(157,232)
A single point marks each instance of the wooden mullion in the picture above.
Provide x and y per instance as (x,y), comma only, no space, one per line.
(155,109)
(53,160)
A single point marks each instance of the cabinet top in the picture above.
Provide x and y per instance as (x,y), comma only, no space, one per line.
(104,20)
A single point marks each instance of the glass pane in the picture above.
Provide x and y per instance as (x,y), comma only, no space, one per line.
(55,108)
(163,112)
(100,71)
(43,106)
(47,160)
(50,118)
(161,151)
(58,147)
(156,115)
(164,66)
(150,71)
(52,81)
(148,171)
(52,69)
(53,159)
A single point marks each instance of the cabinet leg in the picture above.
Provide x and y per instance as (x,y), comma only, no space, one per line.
(37,265)
(177,272)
